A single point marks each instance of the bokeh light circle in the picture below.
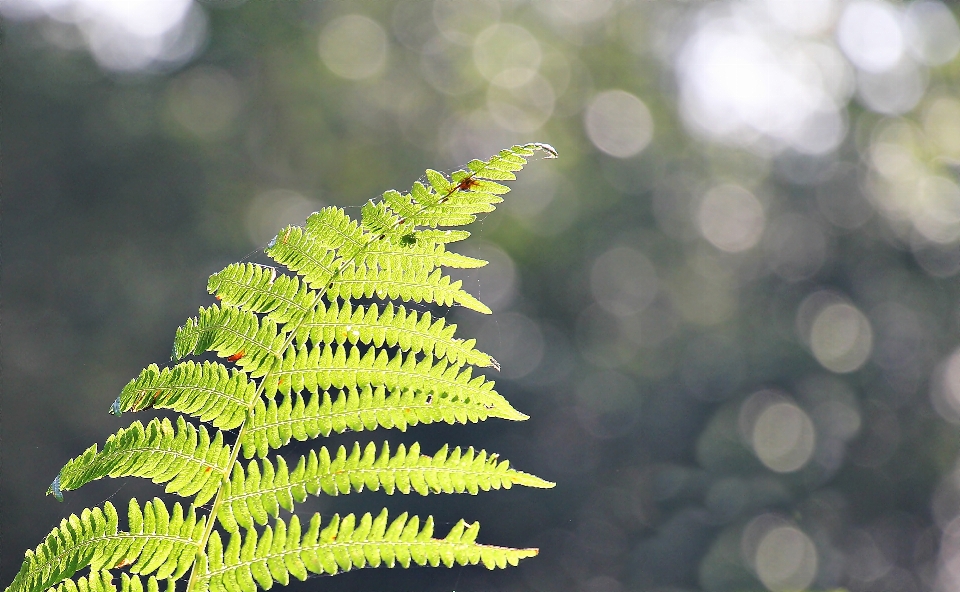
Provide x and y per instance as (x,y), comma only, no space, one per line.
(931,31)
(786,559)
(946,388)
(354,47)
(869,33)
(507,55)
(618,123)
(274,209)
(204,101)
(461,20)
(731,218)
(783,437)
(841,338)
(937,215)
(522,108)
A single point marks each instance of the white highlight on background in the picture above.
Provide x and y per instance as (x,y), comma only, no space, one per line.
(746,81)
(124,35)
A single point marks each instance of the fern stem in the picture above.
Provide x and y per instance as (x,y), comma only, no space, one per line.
(235,452)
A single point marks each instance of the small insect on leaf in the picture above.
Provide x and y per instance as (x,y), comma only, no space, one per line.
(236,356)
(467,183)
(115,408)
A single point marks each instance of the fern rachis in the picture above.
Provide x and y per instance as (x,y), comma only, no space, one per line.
(304,361)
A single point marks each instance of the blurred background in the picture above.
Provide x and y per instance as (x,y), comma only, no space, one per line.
(730,307)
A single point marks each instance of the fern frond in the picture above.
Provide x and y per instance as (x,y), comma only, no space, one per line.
(207,391)
(96,581)
(421,285)
(295,249)
(252,343)
(432,235)
(258,288)
(158,541)
(457,201)
(133,583)
(275,424)
(287,334)
(417,254)
(262,490)
(322,367)
(285,300)
(333,230)
(395,326)
(260,559)
(186,457)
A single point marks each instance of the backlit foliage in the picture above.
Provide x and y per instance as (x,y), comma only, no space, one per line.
(301,360)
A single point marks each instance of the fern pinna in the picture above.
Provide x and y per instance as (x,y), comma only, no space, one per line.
(306,362)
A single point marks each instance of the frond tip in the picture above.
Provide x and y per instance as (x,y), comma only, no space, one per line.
(260,559)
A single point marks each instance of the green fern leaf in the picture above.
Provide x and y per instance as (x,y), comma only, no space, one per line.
(395,326)
(298,252)
(293,248)
(419,285)
(319,368)
(262,490)
(252,343)
(258,288)
(275,424)
(333,230)
(420,254)
(286,301)
(133,583)
(186,459)
(208,391)
(97,581)
(93,539)
(260,559)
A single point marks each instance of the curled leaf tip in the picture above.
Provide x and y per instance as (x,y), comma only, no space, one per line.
(55,490)
(550,150)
